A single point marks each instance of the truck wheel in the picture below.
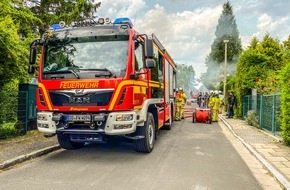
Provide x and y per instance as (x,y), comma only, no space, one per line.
(65,142)
(146,144)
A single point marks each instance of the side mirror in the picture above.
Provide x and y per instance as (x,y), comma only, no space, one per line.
(31,69)
(149,48)
(33,51)
(150,63)
(134,76)
(32,58)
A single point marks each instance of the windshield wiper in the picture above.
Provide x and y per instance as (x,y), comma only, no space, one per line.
(74,73)
(63,71)
(110,73)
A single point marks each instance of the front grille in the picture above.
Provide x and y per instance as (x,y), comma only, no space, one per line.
(83,97)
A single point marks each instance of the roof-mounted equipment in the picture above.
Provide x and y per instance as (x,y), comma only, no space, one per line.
(124,20)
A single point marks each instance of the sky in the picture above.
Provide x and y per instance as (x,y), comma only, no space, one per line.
(186,28)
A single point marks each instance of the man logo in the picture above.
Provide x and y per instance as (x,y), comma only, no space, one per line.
(79,100)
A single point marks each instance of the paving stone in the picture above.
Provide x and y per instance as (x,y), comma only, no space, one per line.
(279,164)
(268,146)
(275,159)
(287,164)
(285,170)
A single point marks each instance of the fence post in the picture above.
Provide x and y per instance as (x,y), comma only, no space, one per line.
(274,115)
(249,101)
(261,112)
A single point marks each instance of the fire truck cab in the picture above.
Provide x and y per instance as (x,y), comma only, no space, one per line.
(98,78)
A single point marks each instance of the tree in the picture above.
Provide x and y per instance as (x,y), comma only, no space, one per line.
(54,11)
(185,77)
(15,36)
(258,68)
(226,29)
(286,47)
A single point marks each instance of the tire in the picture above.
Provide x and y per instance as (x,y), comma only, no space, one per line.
(65,142)
(146,144)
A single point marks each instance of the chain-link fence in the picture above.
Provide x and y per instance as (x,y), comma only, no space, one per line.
(267,108)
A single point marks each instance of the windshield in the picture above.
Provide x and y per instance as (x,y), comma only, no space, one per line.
(102,56)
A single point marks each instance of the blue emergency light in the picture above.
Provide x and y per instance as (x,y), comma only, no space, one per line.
(55,27)
(123,20)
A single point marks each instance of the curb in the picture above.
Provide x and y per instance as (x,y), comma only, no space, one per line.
(281,179)
(8,163)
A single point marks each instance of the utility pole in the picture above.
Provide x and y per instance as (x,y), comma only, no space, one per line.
(225,70)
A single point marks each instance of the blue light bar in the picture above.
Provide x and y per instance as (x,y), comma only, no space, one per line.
(124,20)
(55,27)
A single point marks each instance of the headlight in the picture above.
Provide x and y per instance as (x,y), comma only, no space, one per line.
(124,117)
(42,117)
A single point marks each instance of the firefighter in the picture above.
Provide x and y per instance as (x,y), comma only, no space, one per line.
(178,106)
(183,102)
(211,100)
(180,102)
(215,107)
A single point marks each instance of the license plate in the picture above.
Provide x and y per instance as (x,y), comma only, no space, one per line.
(82,118)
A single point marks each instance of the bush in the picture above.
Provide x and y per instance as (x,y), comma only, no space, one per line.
(252,118)
(7,130)
(285,104)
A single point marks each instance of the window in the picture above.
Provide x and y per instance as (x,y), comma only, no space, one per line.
(139,61)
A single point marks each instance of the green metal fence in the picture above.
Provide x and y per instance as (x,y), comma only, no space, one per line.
(251,103)
(18,111)
(9,104)
(270,112)
(267,107)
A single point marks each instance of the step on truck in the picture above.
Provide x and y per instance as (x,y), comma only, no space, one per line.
(98,79)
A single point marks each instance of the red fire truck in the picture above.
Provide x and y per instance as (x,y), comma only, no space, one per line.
(97,79)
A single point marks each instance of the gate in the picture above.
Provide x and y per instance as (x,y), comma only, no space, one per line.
(267,107)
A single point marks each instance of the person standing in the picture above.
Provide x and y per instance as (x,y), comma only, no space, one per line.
(183,102)
(231,101)
(199,99)
(215,107)
(178,106)
(206,100)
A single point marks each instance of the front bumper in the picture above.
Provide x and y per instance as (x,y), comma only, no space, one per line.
(108,124)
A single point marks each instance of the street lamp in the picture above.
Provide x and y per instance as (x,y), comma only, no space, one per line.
(225,70)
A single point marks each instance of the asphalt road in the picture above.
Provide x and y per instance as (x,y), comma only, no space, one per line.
(190,156)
